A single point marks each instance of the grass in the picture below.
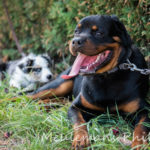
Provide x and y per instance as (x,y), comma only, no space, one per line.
(33,128)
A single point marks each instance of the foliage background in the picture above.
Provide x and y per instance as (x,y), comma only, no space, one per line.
(48,25)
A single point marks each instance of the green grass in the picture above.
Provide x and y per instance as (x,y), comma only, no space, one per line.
(33,128)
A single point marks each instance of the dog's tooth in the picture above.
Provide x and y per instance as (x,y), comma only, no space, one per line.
(99,55)
(86,68)
(97,59)
(93,63)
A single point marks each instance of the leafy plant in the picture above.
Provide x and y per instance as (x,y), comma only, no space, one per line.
(48,25)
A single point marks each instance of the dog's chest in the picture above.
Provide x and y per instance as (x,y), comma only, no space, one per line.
(106,92)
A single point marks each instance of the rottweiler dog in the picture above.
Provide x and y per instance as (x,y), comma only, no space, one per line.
(101,44)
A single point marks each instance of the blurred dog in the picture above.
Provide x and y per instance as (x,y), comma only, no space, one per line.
(28,72)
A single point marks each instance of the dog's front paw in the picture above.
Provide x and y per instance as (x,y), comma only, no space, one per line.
(81,140)
(139,144)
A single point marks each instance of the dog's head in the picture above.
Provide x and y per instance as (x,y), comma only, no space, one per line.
(36,68)
(101,43)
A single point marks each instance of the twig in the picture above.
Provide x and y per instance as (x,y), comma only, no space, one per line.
(12,29)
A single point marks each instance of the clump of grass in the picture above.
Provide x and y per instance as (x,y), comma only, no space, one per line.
(33,128)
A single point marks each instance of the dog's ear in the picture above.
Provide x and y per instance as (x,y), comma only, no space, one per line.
(114,17)
(119,30)
(47,57)
(3,67)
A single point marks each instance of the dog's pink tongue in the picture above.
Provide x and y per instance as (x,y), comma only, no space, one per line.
(76,67)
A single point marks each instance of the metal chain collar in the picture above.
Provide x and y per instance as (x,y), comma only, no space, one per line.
(133,67)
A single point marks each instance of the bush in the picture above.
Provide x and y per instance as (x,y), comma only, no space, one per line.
(48,25)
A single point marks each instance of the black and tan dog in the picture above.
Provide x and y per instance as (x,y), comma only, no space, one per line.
(101,44)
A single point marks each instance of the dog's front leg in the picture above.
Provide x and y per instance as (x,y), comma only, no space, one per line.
(30,87)
(81,138)
(140,135)
(56,88)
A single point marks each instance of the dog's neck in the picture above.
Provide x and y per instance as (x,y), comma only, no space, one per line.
(119,66)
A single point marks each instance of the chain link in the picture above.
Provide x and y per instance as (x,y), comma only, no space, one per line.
(133,67)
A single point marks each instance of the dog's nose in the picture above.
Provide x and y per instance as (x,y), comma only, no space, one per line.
(49,77)
(77,42)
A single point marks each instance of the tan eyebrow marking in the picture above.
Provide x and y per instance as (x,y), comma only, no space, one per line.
(94,27)
(79,25)
(116,38)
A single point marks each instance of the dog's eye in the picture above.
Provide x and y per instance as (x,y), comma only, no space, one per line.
(36,69)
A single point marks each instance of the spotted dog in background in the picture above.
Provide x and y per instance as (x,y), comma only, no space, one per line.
(29,71)
(102,44)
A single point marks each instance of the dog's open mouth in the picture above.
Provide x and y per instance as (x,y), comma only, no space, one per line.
(92,63)
(89,64)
